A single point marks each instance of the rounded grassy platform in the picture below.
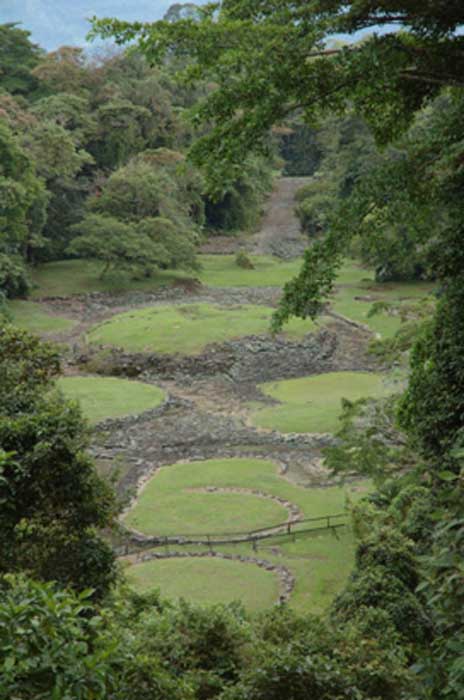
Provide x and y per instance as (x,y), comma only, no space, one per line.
(175,501)
(34,318)
(106,397)
(313,404)
(356,292)
(208,581)
(66,277)
(188,328)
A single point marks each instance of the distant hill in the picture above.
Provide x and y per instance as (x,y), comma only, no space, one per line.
(56,23)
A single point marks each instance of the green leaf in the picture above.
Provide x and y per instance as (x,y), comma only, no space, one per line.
(446,475)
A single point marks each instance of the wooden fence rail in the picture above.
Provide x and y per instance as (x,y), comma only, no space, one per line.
(291,528)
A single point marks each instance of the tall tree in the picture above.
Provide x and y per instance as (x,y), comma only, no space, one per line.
(23,199)
(18,57)
(53,502)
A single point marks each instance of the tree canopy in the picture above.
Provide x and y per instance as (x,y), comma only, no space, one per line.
(52,500)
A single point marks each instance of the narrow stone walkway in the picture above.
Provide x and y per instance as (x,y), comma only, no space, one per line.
(280,232)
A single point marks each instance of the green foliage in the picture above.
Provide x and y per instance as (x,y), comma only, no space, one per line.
(53,500)
(237,206)
(135,249)
(313,213)
(300,658)
(14,280)
(18,56)
(347,153)
(50,643)
(432,408)
(443,589)
(63,70)
(143,219)
(300,149)
(244,261)
(143,189)
(54,644)
(368,440)
(27,368)
(22,197)
(70,111)
(209,656)
(379,588)
(121,127)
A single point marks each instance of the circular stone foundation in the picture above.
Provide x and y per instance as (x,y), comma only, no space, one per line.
(209,579)
(107,397)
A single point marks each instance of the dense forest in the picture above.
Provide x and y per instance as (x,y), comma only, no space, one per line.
(137,158)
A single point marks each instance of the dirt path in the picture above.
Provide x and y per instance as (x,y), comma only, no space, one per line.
(280,233)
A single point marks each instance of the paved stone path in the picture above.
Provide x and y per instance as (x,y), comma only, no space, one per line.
(280,232)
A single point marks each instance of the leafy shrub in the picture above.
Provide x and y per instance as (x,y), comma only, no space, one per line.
(14,281)
(53,501)
(376,587)
(313,213)
(244,261)
(49,644)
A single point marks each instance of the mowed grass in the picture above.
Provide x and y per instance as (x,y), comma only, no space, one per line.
(354,299)
(187,329)
(172,502)
(107,397)
(32,317)
(221,271)
(313,404)
(354,295)
(208,581)
(320,562)
(68,277)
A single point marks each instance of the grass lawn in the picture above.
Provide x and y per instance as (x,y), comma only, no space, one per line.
(32,317)
(107,397)
(189,328)
(66,277)
(354,298)
(208,581)
(221,271)
(313,404)
(320,562)
(167,504)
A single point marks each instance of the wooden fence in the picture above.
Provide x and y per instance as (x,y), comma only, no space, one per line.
(289,529)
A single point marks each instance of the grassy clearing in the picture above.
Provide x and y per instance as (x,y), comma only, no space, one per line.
(189,328)
(32,317)
(221,271)
(107,397)
(168,506)
(354,297)
(208,581)
(355,292)
(320,562)
(313,404)
(67,277)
